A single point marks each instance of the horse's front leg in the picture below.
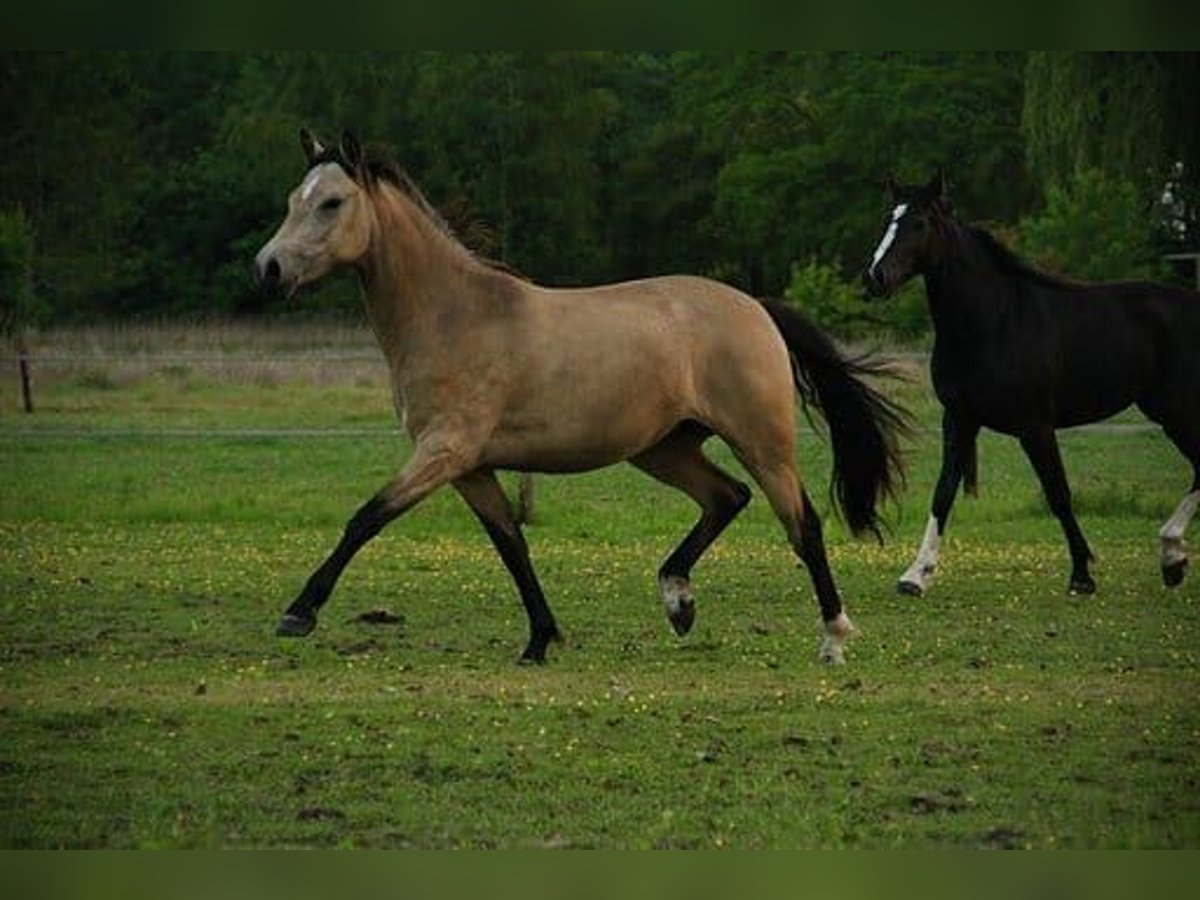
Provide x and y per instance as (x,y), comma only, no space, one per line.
(433,464)
(958,449)
(486,499)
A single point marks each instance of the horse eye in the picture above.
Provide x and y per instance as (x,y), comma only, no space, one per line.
(331,204)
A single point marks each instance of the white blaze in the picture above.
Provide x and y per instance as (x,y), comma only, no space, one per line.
(310,184)
(888,236)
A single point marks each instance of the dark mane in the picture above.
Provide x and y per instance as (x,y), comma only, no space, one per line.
(1014,265)
(380,165)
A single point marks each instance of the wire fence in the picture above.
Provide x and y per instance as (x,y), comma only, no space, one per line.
(113,371)
(364,367)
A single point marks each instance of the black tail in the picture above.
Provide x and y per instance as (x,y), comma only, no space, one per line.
(864,426)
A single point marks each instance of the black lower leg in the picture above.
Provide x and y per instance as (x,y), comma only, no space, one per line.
(708,529)
(958,461)
(682,611)
(514,552)
(812,553)
(1081,556)
(1043,454)
(301,616)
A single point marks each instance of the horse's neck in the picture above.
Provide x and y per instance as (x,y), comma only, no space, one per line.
(966,292)
(413,272)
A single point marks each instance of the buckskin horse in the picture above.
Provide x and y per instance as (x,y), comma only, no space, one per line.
(491,372)
(1023,352)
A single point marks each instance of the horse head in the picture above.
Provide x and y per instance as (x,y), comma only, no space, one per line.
(329,220)
(909,234)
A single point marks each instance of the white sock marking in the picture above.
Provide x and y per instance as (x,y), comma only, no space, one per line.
(1173,529)
(926,562)
(832,644)
(675,592)
(888,236)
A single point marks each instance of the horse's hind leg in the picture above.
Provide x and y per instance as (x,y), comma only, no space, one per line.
(1042,449)
(484,495)
(678,461)
(1174,552)
(803,527)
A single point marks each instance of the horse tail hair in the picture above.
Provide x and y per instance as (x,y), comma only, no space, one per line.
(865,426)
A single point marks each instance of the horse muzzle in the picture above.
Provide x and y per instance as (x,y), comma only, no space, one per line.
(874,282)
(269,274)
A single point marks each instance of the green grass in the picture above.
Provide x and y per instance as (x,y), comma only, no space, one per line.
(144,701)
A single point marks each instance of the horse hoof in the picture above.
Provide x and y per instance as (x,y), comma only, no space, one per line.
(683,617)
(295,626)
(832,654)
(529,659)
(909,589)
(1081,586)
(1172,574)
(535,650)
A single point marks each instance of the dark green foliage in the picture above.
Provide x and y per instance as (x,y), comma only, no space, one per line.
(18,303)
(1094,227)
(840,306)
(1130,115)
(809,152)
(152,177)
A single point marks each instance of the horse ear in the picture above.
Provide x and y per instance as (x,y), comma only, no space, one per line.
(352,151)
(939,186)
(892,185)
(310,145)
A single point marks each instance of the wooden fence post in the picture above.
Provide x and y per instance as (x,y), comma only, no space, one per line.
(23,368)
(525,499)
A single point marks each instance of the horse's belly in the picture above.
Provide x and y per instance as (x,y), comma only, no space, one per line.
(1086,413)
(1016,413)
(531,454)
(581,441)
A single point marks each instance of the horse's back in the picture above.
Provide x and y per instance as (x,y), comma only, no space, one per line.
(606,372)
(1173,315)
(691,328)
(1072,353)
(1155,324)
(708,316)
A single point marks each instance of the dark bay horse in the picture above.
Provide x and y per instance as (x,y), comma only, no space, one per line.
(490,371)
(1024,353)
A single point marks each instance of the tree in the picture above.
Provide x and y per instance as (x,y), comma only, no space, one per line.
(1093,227)
(513,138)
(807,140)
(151,177)
(1131,115)
(18,303)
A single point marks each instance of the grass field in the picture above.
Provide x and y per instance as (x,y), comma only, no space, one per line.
(155,520)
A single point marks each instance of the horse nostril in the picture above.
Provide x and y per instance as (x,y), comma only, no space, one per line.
(873,282)
(269,273)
